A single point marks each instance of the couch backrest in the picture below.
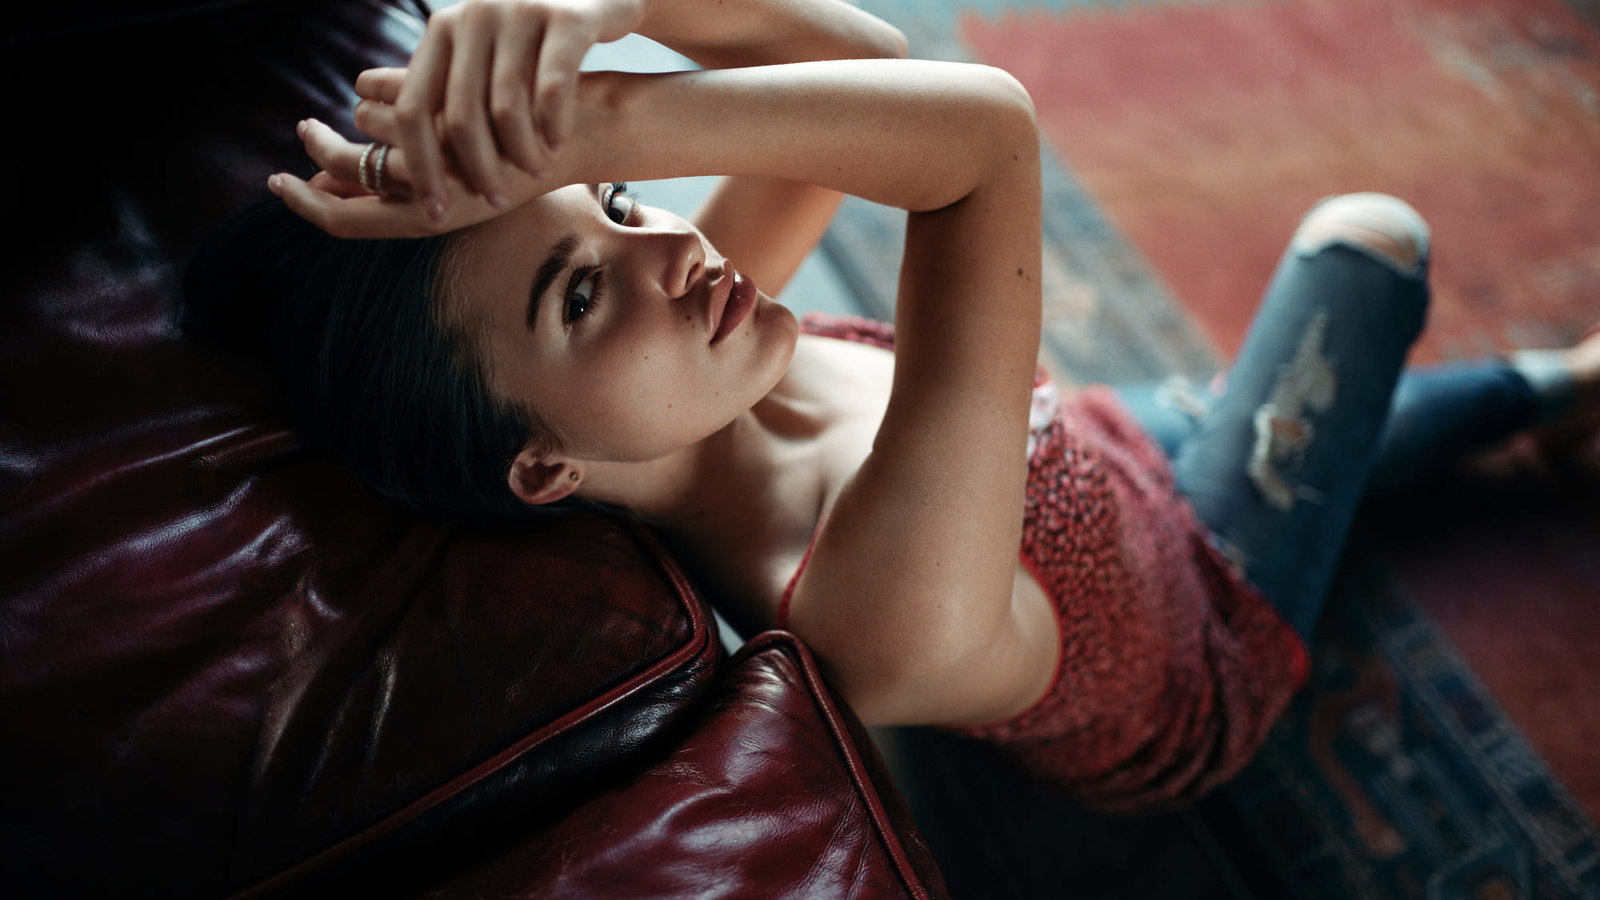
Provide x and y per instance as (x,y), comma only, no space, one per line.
(220,659)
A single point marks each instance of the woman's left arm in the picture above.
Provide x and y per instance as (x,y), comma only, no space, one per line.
(492,85)
(768,225)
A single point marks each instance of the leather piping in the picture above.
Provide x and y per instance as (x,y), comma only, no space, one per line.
(852,757)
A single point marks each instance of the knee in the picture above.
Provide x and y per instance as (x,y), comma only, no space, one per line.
(1384,226)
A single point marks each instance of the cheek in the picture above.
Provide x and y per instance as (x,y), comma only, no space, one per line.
(640,400)
(650,390)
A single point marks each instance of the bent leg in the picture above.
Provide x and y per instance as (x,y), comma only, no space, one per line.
(1278,466)
(1443,413)
(1440,414)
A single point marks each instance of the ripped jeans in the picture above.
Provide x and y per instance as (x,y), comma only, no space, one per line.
(1317,410)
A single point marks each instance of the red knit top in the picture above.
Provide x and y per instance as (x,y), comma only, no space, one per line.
(1173,667)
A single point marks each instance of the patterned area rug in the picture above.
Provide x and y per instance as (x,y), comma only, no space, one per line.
(1395,775)
(1185,155)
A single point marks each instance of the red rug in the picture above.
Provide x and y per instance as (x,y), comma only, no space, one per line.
(1204,131)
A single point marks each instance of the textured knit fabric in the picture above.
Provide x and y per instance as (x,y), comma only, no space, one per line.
(1172,667)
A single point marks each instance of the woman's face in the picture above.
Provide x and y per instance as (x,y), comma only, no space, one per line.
(602,317)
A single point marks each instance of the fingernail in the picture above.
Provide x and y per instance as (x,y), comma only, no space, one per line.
(435,208)
(300,128)
(499,201)
(275,185)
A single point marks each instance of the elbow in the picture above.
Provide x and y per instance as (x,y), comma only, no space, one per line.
(1005,139)
(1012,103)
(996,121)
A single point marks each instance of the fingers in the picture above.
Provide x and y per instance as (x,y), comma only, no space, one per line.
(377,121)
(420,95)
(351,217)
(466,111)
(510,104)
(340,160)
(327,203)
(330,151)
(382,85)
(336,186)
(566,39)
(492,88)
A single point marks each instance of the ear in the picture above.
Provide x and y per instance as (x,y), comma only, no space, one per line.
(538,480)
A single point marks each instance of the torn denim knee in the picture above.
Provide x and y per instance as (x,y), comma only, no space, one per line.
(1283,430)
(1382,214)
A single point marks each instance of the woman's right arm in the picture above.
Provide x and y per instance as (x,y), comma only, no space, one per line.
(909,595)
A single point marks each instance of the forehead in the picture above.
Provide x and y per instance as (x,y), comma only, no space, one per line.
(497,259)
(547,218)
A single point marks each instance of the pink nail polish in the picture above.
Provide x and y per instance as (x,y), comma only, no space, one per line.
(275,185)
(300,128)
(499,201)
(435,208)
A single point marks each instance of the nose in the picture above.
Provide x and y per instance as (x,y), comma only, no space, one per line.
(681,257)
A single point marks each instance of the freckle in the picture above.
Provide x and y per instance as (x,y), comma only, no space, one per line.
(1019,271)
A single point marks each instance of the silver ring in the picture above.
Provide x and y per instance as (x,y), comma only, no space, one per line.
(361,169)
(377,169)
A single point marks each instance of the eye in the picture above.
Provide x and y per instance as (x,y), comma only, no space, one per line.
(583,294)
(617,203)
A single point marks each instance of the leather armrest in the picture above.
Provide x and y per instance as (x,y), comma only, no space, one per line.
(776,791)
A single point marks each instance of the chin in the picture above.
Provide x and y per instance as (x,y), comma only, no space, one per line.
(777,330)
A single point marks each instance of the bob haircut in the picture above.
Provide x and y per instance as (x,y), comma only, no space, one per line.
(359,335)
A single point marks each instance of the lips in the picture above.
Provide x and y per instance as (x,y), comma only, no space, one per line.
(731,301)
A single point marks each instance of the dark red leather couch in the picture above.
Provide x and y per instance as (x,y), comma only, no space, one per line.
(227,669)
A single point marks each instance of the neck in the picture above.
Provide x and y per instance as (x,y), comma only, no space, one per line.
(757,478)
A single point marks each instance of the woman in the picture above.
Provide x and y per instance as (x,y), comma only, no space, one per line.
(545,338)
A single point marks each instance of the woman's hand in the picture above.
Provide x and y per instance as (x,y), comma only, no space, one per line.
(494,83)
(335,201)
(492,97)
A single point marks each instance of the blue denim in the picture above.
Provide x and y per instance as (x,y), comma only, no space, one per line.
(1334,315)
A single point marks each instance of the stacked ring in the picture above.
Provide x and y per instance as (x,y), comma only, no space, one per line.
(377,169)
(361,169)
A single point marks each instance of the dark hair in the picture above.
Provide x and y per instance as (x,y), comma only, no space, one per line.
(361,335)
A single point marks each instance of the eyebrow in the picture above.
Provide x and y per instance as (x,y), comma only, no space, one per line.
(560,257)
